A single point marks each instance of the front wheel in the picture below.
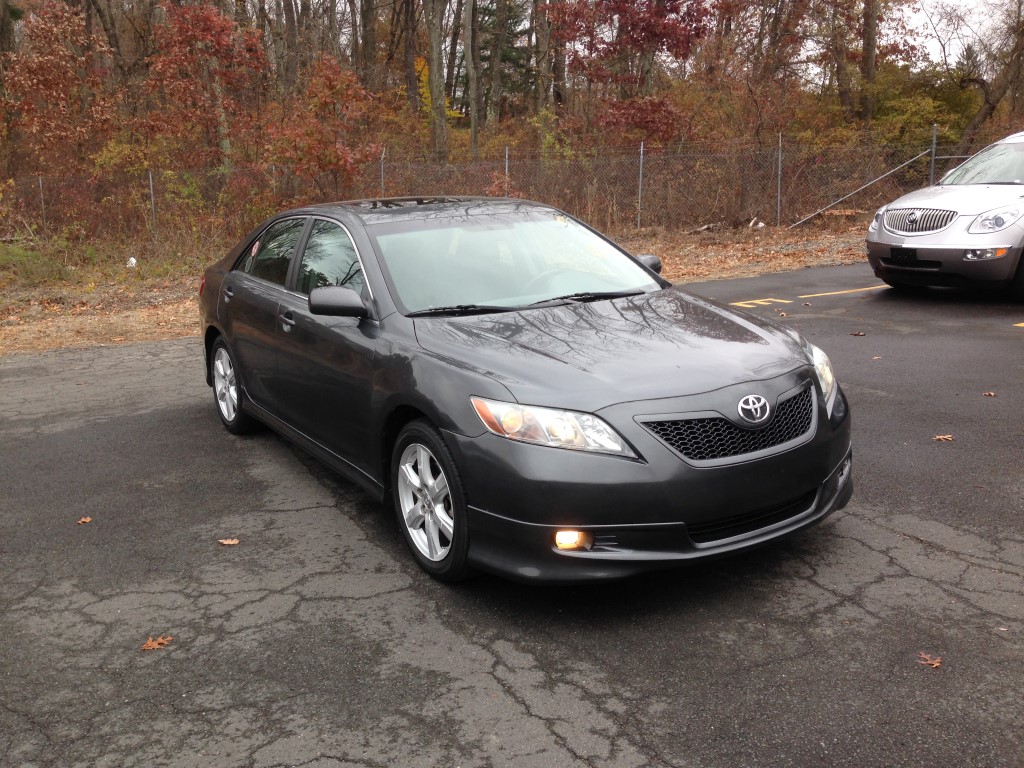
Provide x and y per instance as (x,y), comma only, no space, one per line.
(430,505)
(904,287)
(227,391)
(1017,284)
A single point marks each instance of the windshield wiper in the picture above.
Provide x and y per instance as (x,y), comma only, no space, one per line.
(460,309)
(582,296)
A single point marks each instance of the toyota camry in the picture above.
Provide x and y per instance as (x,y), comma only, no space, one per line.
(526,397)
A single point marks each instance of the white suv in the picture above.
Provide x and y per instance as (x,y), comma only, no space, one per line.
(966,230)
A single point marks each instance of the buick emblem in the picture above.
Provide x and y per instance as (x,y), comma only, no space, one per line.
(912,218)
(754,408)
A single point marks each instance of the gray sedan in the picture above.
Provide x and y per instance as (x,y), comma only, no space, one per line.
(525,396)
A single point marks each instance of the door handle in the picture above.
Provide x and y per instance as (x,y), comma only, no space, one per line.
(287,321)
(229,293)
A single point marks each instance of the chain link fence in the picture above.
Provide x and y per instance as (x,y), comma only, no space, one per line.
(611,188)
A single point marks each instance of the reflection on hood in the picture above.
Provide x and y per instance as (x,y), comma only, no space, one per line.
(661,344)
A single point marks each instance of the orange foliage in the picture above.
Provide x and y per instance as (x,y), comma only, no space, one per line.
(56,85)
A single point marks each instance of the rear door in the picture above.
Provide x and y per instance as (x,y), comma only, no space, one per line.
(327,363)
(250,298)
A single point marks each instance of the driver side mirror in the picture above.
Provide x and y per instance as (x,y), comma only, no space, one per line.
(336,301)
(650,261)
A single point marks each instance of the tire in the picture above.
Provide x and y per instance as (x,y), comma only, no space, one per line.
(1017,284)
(896,285)
(227,391)
(429,502)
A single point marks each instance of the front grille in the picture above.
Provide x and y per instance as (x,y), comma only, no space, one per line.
(716,530)
(917,221)
(705,439)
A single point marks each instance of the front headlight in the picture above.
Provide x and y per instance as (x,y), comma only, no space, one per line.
(993,221)
(876,221)
(822,366)
(547,426)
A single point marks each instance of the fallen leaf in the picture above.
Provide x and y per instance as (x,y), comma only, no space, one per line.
(807,303)
(783,314)
(160,642)
(877,357)
(929,661)
(1003,629)
(858,333)
(85,520)
(989,394)
(227,542)
(943,438)
(118,338)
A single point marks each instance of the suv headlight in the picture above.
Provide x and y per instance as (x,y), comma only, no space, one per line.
(547,426)
(996,220)
(876,220)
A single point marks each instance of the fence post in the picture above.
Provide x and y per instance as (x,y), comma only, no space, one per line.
(42,203)
(778,187)
(382,155)
(935,139)
(640,188)
(506,170)
(152,201)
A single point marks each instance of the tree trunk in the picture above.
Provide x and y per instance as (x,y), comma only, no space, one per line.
(494,85)
(433,13)
(868,60)
(453,50)
(412,83)
(368,21)
(470,43)
(844,87)
(541,55)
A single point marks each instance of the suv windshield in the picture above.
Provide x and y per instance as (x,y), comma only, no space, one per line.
(501,261)
(997,164)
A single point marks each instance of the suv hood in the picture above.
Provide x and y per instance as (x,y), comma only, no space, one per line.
(966,199)
(588,356)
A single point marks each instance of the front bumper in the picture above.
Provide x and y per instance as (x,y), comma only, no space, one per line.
(940,258)
(656,512)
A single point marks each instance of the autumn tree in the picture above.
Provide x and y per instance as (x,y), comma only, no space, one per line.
(57,103)
(203,79)
(320,135)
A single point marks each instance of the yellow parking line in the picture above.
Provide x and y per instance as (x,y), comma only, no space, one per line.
(1018,325)
(839,293)
(759,303)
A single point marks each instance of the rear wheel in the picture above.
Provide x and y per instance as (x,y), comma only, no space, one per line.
(227,391)
(429,502)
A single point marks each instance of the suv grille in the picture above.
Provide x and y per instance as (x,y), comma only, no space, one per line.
(924,220)
(712,438)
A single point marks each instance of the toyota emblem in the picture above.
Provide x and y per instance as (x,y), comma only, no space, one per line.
(754,408)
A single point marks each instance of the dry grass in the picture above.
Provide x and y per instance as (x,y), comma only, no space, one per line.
(91,306)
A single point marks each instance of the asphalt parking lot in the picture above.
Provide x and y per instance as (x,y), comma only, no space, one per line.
(316,641)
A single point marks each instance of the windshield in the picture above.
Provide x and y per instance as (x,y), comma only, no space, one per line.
(997,164)
(501,261)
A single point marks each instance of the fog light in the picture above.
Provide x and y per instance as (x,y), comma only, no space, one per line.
(982,254)
(573,540)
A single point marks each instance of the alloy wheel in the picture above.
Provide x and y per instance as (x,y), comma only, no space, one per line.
(426,502)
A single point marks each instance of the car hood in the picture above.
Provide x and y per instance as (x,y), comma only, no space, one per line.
(967,199)
(591,355)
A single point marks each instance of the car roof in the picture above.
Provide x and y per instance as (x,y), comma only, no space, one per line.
(379,210)
(1013,138)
